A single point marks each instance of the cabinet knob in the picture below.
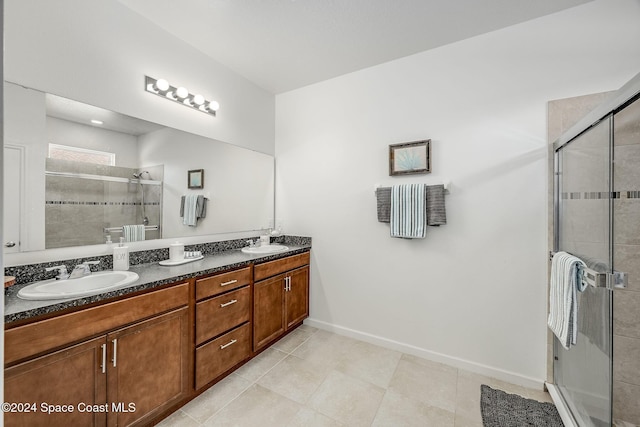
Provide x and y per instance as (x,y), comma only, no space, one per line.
(9,244)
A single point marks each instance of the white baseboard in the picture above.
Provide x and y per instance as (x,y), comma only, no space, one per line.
(477,368)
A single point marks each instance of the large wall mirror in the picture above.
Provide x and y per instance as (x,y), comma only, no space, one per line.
(78,175)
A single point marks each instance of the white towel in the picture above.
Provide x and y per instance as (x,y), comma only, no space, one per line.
(190,204)
(133,233)
(408,211)
(566,281)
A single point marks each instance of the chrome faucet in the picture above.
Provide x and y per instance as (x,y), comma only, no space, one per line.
(62,271)
(253,244)
(82,269)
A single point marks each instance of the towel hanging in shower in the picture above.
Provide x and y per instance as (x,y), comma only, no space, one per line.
(566,281)
(133,233)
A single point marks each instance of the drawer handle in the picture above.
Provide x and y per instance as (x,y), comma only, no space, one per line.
(230,282)
(233,301)
(222,347)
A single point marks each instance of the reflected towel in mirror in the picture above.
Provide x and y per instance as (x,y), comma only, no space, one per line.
(192,208)
(133,233)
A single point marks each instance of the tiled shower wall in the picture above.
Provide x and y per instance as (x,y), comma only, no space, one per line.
(626,257)
(78,210)
(562,114)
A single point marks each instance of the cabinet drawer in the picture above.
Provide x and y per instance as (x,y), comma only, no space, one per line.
(219,314)
(221,354)
(215,285)
(271,268)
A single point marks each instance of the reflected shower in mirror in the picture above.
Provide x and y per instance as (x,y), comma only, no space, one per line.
(87,175)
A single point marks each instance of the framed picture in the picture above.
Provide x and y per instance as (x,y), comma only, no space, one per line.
(195,178)
(410,158)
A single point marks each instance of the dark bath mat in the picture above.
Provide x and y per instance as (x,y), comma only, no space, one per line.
(500,409)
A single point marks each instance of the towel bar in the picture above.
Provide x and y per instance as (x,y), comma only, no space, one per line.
(617,279)
(119,229)
(445,184)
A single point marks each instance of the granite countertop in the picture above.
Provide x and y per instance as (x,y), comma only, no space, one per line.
(151,275)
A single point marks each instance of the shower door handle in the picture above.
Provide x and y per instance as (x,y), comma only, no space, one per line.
(618,280)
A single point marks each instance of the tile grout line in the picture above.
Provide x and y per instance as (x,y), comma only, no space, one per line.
(256,380)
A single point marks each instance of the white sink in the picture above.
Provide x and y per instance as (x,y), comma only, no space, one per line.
(265,249)
(93,284)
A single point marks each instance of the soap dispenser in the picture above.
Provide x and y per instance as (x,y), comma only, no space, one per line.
(265,240)
(121,256)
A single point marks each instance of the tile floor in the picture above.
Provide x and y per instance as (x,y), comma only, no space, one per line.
(316,378)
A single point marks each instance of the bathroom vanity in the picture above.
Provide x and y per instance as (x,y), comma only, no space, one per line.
(134,358)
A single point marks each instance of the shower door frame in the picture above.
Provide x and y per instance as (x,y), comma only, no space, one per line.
(571,409)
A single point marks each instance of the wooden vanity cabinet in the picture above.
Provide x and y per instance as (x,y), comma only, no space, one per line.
(67,376)
(124,377)
(281,301)
(147,368)
(222,324)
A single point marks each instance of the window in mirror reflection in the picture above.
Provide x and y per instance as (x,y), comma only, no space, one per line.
(77,154)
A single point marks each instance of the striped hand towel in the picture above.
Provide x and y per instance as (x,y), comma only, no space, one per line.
(133,233)
(408,211)
(563,297)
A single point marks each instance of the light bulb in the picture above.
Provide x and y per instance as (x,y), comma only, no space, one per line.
(161,85)
(197,100)
(182,92)
(213,106)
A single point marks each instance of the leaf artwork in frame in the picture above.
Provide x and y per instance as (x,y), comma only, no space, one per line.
(410,158)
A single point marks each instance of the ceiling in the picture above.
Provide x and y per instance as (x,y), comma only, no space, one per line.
(78,112)
(282,45)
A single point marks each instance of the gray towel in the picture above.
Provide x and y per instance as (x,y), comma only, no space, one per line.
(201,207)
(383,194)
(436,212)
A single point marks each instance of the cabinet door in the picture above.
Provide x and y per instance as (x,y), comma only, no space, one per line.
(72,376)
(148,368)
(297,296)
(268,311)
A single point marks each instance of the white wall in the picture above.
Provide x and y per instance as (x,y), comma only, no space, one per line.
(245,205)
(473,292)
(98,52)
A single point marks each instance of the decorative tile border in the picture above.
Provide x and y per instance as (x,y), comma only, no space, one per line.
(599,195)
(75,202)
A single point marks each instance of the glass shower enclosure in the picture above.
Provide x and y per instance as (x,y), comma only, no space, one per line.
(584,171)
(588,196)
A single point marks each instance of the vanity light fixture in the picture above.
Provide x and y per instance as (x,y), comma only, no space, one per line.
(181,95)
(97,122)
